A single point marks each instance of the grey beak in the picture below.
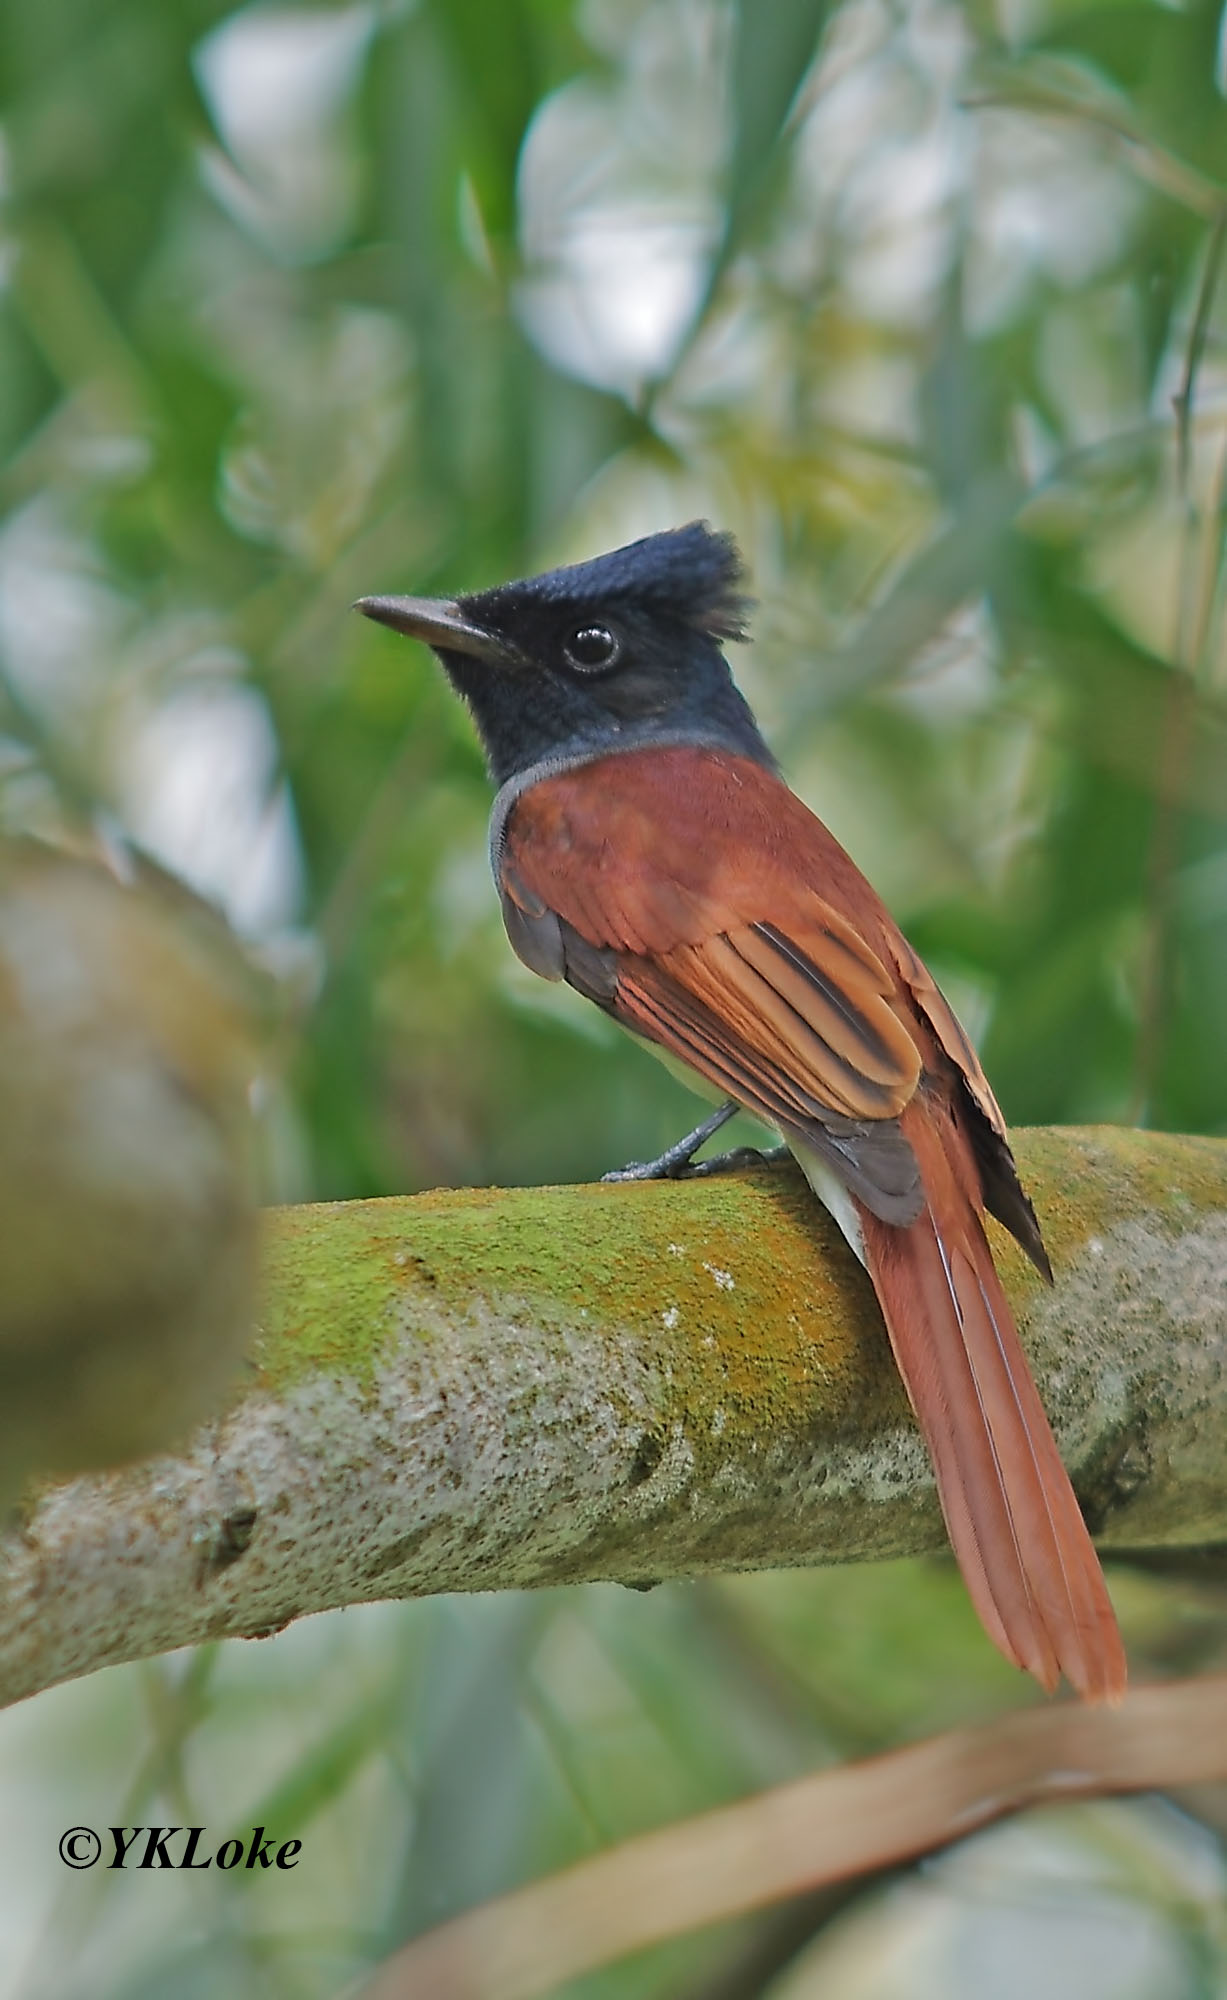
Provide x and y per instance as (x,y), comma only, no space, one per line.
(436,623)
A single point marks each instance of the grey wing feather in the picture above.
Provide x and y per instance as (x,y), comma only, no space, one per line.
(536,937)
(875,1163)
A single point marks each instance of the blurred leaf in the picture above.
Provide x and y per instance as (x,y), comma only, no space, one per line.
(502,61)
(957,563)
(774,44)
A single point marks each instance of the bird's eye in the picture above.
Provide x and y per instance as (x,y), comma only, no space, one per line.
(591,649)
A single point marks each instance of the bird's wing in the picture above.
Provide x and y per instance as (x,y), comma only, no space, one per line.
(800,1010)
(712,940)
(1003,1192)
(949,1031)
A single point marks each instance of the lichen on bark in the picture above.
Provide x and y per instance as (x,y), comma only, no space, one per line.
(507,1388)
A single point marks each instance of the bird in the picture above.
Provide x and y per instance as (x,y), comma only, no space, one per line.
(648,852)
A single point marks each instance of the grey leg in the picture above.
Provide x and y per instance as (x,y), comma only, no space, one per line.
(677,1161)
(676,1158)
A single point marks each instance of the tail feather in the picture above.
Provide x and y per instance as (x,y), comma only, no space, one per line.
(1012,1516)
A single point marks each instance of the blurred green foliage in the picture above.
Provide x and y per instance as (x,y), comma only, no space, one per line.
(923,301)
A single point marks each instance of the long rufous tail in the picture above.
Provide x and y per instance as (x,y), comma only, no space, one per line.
(1015,1525)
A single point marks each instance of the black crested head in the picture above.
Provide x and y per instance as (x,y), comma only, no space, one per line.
(689,575)
(608,654)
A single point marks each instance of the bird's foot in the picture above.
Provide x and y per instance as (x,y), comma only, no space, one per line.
(739,1156)
(678,1161)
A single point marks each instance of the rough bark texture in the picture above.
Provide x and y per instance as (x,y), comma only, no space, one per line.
(463,1391)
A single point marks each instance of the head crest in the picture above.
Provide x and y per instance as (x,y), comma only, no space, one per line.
(691,573)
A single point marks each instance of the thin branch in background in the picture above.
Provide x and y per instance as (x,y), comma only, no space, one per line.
(1164,170)
(1164,847)
(1214,596)
(1182,401)
(1193,602)
(1189,642)
(825,1829)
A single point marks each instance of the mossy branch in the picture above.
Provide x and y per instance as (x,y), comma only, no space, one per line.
(483,1390)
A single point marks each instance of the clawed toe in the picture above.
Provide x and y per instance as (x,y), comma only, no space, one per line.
(739,1156)
(675,1163)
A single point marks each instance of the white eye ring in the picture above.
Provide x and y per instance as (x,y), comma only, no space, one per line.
(592,649)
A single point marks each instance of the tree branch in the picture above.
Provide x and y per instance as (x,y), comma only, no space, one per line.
(821,1829)
(481,1390)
